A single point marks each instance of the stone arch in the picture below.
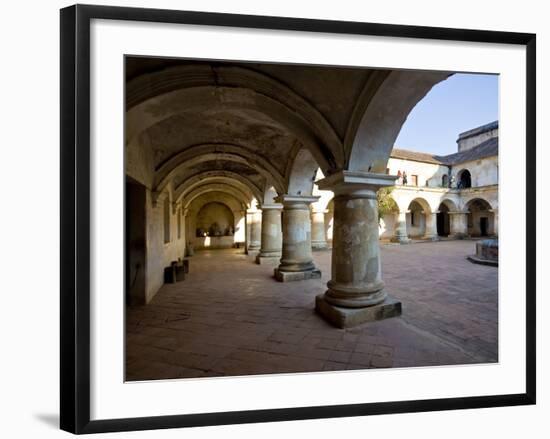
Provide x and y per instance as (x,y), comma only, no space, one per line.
(160,95)
(477,200)
(446,207)
(205,239)
(220,175)
(220,181)
(383,107)
(418,211)
(243,199)
(450,204)
(480,217)
(301,173)
(425,206)
(464,179)
(215,152)
(226,215)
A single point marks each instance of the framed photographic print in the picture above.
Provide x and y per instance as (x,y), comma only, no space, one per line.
(272,218)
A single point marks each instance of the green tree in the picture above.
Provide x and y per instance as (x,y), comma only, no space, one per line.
(386,203)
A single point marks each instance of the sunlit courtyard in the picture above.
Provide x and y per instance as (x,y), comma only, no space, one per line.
(229,317)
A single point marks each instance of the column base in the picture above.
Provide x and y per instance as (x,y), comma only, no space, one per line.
(290,276)
(458,236)
(400,240)
(431,238)
(349,317)
(267,260)
(319,246)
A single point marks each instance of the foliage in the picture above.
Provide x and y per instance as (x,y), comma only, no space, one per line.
(386,203)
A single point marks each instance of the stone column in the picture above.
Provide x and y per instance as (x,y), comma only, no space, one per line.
(270,251)
(253,218)
(318,233)
(459,225)
(495,221)
(431,227)
(400,228)
(355,292)
(297,260)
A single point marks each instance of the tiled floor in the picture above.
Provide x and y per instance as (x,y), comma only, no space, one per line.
(230,317)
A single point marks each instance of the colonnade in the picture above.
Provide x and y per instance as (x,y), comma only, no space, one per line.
(290,229)
(458,226)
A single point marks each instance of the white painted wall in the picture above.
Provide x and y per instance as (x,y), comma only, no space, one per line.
(427,172)
(470,142)
(484,171)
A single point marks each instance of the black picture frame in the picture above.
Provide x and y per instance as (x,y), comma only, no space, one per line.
(75,217)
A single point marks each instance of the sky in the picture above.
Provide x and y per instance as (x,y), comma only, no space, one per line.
(460,103)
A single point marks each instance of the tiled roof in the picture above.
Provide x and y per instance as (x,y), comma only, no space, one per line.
(488,148)
(405,154)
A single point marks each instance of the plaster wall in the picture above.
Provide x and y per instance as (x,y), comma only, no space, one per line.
(484,172)
(159,253)
(234,215)
(429,174)
(470,142)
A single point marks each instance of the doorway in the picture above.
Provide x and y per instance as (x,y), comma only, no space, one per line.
(443,221)
(484,226)
(135,242)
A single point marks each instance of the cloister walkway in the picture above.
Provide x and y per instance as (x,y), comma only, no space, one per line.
(229,317)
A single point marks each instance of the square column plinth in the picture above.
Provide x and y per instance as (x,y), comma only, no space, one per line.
(290,276)
(267,260)
(348,317)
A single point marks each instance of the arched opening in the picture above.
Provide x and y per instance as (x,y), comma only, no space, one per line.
(464,179)
(443,221)
(238,146)
(416,218)
(480,218)
(445,181)
(214,226)
(135,240)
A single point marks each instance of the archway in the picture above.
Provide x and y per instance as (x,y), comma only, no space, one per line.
(135,242)
(480,218)
(443,220)
(416,218)
(214,226)
(464,179)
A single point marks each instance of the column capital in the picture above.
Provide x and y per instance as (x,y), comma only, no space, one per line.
(288,199)
(457,212)
(275,206)
(355,182)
